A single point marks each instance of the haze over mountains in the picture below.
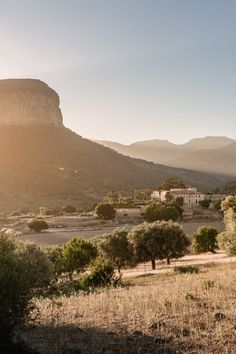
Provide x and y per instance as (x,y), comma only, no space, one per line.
(209,154)
(45,164)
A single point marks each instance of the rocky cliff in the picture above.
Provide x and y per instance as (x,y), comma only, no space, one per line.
(29,102)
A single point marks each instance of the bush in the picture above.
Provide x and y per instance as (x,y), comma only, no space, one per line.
(205,203)
(154,212)
(70,209)
(204,240)
(77,255)
(105,211)
(38,225)
(227,243)
(103,274)
(186,269)
(227,239)
(24,271)
(54,254)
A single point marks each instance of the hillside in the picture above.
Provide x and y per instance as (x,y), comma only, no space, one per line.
(220,160)
(50,166)
(209,154)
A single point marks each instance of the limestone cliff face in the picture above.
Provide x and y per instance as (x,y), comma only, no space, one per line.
(28,102)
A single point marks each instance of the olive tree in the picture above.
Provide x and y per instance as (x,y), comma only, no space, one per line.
(159,240)
(77,255)
(105,211)
(204,240)
(116,248)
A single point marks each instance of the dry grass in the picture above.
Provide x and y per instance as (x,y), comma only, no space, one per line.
(179,314)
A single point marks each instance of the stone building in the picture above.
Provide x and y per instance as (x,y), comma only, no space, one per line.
(190,196)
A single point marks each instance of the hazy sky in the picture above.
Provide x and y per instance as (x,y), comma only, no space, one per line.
(128,70)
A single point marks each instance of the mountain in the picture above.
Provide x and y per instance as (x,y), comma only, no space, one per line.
(209,154)
(208,143)
(220,160)
(45,164)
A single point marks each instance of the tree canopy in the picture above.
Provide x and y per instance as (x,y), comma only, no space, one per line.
(159,240)
(156,211)
(117,248)
(204,240)
(77,254)
(105,211)
(171,183)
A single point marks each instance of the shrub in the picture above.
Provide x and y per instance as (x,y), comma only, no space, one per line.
(38,225)
(227,239)
(54,254)
(24,271)
(204,240)
(105,211)
(70,209)
(205,203)
(227,243)
(155,211)
(103,274)
(186,269)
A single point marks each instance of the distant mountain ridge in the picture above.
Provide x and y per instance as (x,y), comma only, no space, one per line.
(208,154)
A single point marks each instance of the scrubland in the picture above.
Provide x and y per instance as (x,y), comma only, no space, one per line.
(166,313)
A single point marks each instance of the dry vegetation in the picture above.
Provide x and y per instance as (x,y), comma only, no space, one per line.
(161,314)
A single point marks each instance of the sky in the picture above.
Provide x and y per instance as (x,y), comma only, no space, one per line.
(128,70)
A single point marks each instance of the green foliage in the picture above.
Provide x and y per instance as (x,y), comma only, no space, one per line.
(54,254)
(105,211)
(228,203)
(169,197)
(68,208)
(102,274)
(77,255)
(205,239)
(171,183)
(159,240)
(217,205)
(155,211)
(24,271)
(142,194)
(116,248)
(180,201)
(227,243)
(186,269)
(205,203)
(38,225)
(227,239)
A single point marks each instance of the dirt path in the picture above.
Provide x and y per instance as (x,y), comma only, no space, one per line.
(162,267)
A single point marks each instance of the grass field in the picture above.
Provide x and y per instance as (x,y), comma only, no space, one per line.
(165,313)
(58,237)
